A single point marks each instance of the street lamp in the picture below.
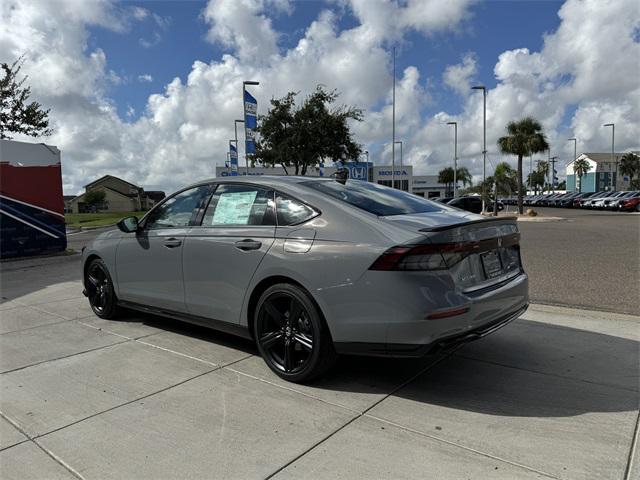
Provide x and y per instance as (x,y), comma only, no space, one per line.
(400,142)
(613,139)
(455,158)
(393,125)
(244,85)
(366,152)
(484,141)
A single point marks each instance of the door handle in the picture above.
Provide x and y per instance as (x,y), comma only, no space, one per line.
(172,243)
(248,244)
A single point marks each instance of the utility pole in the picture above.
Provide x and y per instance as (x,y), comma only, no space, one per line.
(393,125)
(552,161)
(484,141)
(613,143)
(401,170)
(455,158)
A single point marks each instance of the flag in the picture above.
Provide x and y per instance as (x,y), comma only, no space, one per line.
(233,154)
(250,122)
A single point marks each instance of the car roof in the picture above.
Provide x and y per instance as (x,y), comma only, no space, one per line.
(270,180)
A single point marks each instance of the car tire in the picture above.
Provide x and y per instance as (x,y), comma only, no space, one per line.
(292,335)
(100,290)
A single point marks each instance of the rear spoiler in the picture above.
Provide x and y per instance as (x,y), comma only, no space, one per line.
(442,228)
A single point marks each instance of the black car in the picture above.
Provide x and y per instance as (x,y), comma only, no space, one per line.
(473,204)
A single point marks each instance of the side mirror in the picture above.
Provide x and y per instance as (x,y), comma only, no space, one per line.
(128,224)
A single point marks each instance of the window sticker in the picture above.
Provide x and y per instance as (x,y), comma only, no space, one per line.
(234,208)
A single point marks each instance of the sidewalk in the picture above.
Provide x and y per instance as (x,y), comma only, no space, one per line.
(553,395)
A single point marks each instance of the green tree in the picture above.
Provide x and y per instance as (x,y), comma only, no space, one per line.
(630,165)
(445,177)
(94,199)
(580,168)
(17,115)
(305,136)
(543,168)
(524,137)
(536,179)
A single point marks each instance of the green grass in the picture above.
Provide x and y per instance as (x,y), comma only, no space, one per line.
(77,220)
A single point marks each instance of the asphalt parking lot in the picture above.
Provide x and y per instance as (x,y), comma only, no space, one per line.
(591,259)
(553,395)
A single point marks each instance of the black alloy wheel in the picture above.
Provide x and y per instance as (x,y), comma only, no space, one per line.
(100,290)
(291,334)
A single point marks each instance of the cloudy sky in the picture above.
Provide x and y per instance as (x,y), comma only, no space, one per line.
(149,90)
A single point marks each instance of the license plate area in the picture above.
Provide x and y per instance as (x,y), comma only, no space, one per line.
(491,264)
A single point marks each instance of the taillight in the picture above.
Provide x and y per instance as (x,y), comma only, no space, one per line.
(437,256)
(424,257)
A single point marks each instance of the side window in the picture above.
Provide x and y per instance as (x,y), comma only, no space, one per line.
(178,210)
(292,212)
(240,205)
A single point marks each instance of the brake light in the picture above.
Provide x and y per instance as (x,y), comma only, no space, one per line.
(437,256)
(424,257)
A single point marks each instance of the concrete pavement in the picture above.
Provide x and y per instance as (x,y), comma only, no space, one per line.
(553,395)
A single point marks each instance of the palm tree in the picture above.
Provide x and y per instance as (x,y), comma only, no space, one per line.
(445,176)
(630,165)
(505,182)
(524,137)
(543,169)
(580,168)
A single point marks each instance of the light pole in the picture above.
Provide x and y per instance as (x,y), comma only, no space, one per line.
(552,161)
(401,171)
(235,127)
(575,147)
(484,139)
(244,89)
(613,139)
(366,152)
(393,125)
(455,158)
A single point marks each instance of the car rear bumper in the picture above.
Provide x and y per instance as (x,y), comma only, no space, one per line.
(400,350)
(399,319)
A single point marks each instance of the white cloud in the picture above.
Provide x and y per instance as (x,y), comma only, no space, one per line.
(183,132)
(130,111)
(243,26)
(458,77)
(145,78)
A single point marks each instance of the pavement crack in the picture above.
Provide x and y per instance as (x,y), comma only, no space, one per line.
(364,412)
(632,450)
(464,447)
(137,399)
(62,357)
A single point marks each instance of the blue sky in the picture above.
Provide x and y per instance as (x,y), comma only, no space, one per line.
(493,27)
(149,90)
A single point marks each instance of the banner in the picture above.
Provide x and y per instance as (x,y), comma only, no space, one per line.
(250,122)
(233,155)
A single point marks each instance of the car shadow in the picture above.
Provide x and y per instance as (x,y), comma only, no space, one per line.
(527,369)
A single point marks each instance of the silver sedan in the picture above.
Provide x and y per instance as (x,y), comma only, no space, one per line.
(311,268)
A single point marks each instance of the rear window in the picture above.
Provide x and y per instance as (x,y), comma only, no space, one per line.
(374,198)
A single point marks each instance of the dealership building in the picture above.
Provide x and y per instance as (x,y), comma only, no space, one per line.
(423,185)
(601,176)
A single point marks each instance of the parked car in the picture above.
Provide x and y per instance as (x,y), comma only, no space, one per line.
(586,197)
(443,199)
(473,204)
(602,203)
(614,203)
(589,203)
(630,204)
(310,268)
